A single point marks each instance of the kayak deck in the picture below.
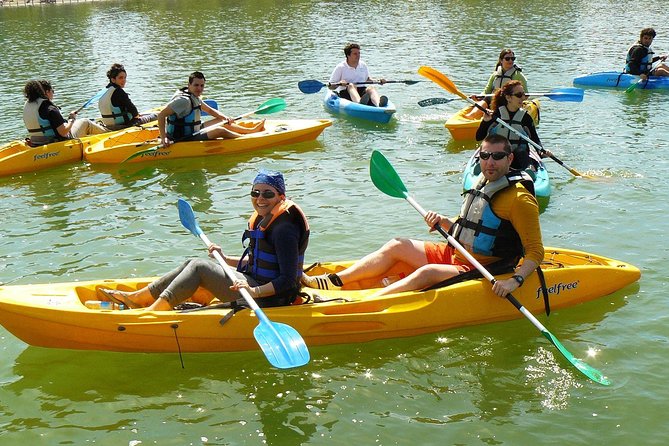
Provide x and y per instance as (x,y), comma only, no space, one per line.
(337,105)
(143,143)
(617,79)
(53,315)
(464,124)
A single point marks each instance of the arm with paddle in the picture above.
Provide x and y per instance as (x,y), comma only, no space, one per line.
(271,106)
(566,94)
(282,344)
(386,179)
(311,86)
(643,77)
(448,85)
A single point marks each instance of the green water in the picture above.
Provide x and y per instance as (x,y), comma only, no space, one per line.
(492,384)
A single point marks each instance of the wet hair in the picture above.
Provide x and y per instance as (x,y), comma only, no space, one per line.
(503,53)
(349,47)
(499,98)
(647,32)
(196,75)
(34,90)
(494,138)
(115,70)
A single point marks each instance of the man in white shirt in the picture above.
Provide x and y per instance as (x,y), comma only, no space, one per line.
(354,71)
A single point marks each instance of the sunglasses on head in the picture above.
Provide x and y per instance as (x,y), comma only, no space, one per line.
(509,58)
(495,155)
(519,95)
(267,194)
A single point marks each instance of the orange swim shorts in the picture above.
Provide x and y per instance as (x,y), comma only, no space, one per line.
(444,254)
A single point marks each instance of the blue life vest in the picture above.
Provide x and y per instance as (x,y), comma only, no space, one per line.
(179,127)
(645,64)
(479,229)
(112,115)
(37,125)
(262,263)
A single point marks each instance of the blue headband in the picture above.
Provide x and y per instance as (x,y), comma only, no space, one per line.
(274,179)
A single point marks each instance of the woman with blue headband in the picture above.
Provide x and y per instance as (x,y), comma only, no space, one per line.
(270,267)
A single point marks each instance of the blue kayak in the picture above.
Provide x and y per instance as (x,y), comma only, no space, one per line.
(335,104)
(542,183)
(616,79)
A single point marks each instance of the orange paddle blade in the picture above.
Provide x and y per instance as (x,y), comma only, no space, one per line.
(440,79)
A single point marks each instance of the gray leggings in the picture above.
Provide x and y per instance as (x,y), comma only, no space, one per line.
(180,283)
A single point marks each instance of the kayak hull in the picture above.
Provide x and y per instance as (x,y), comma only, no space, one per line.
(18,157)
(277,133)
(463,125)
(53,315)
(337,105)
(617,79)
(542,183)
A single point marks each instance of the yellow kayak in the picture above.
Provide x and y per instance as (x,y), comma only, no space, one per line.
(19,157)
(462,125)
(54,315)
(144,146)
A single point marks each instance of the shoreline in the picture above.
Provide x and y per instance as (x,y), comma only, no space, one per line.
(19,3)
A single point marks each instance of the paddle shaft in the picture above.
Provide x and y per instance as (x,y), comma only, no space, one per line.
(540,149)
(231,275)
(479,267)
(97,95)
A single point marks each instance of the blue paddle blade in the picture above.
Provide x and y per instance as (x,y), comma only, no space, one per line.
(211,103)
(310,86)
(187,217)
(282,344)
(97,96)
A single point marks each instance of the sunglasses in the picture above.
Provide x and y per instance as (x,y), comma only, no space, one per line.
(508,58)
(495,155)
(519,95)
(267,194)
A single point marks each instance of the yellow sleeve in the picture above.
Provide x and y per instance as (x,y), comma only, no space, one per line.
(524,216)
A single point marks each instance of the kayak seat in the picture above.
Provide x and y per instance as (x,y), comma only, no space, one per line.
(477,168)
(500,267)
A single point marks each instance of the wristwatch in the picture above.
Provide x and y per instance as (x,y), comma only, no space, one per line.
(518,278)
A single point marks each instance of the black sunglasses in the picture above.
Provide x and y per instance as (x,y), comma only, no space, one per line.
(507,58)
(495,155)
(519,95)
(267,194)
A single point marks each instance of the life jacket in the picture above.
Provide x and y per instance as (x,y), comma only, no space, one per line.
(479,229)
(518,144)
(38,126)
(179,127)
(503,77)
(262,262)
(646,63)
(111,114)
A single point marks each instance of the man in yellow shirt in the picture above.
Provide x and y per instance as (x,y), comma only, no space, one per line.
(499,220)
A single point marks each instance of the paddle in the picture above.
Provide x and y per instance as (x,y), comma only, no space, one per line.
(636,84)
(541,150)
(271,106)
(282,344)
(97,96)
(566,94)
(386,179)
(434,101)
(313,86)
(443,81)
